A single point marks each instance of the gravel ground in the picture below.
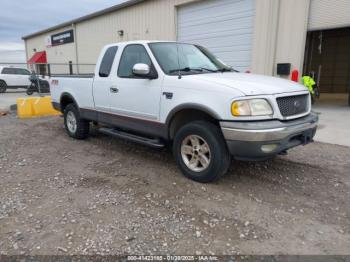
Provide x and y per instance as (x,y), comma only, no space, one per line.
(108,196)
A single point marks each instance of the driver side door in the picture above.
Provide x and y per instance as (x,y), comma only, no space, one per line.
(137,97)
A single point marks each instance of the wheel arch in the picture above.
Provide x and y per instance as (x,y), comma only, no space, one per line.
(186,113)
(66,99)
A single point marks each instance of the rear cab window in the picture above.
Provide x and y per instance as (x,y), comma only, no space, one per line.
(107,61)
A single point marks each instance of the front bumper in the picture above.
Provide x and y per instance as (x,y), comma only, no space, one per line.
(259,140)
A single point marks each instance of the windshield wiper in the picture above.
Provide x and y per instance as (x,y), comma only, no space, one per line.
(186,69)
(207,69)
(201,69)
(222,70)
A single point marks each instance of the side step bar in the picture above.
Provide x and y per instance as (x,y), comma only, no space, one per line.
(156,143)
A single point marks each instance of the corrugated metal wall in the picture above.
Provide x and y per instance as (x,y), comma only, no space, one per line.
(279,31)
(327,14)
(152,19)
(225,27)
(148,20)
(157,19)
(56,54)
(291,33)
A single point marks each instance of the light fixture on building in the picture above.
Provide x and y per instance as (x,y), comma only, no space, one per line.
(120,32)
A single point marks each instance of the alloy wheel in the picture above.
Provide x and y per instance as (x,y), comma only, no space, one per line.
(71,122)
(195,153)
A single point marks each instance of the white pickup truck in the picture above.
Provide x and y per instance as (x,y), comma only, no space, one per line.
(168,93)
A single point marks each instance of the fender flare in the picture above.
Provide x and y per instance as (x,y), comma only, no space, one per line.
(189,106)
(66,94)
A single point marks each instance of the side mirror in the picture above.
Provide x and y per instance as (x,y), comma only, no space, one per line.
(141,70)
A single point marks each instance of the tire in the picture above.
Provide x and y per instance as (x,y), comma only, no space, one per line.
(216,160)
(76,127)
(3,86)
(30,89)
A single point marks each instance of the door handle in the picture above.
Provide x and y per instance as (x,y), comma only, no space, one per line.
(114,90)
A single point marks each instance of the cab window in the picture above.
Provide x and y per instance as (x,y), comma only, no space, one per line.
(132,54)
(107,61)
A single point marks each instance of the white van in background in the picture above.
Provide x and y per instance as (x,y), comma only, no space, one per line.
(13,78)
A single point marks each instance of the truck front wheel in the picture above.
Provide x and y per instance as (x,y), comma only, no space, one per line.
(201,152)
(75,126)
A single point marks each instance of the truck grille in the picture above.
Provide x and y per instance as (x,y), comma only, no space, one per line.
(293,105)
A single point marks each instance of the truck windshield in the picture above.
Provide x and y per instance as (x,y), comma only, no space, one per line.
(187,59)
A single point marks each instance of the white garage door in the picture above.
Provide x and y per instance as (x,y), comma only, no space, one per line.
(326,14)
(225,27)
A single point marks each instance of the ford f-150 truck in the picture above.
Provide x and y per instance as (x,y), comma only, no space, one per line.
(169,93)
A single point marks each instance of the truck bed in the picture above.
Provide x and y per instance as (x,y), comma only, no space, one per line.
(74,76)
(78,86)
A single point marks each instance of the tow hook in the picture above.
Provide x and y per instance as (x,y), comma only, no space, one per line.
(283,153)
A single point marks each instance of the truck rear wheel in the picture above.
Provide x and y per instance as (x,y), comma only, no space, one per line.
(201,152)
(75,126)
(3,86)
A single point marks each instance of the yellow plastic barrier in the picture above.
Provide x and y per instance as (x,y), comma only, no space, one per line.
(29,107)
(25,107)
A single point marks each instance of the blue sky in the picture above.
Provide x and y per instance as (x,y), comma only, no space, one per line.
(23,17)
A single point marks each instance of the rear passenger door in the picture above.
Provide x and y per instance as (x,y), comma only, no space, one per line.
(23,77)
(103,86)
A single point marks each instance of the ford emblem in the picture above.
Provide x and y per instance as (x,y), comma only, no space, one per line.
(296,104)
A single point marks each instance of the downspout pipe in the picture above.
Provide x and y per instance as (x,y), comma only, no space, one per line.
(76,46)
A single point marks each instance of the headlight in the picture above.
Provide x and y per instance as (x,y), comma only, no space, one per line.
(251,107)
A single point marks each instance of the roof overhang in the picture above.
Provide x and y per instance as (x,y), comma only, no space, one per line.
(86,17)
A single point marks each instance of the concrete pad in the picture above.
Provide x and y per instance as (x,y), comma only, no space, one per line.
(9,98)
(334,113)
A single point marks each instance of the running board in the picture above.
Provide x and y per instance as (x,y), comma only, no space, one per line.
(156,143)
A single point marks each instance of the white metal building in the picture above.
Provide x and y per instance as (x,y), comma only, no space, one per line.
(254,35)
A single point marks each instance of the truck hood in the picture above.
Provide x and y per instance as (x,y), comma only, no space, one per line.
(250,84)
